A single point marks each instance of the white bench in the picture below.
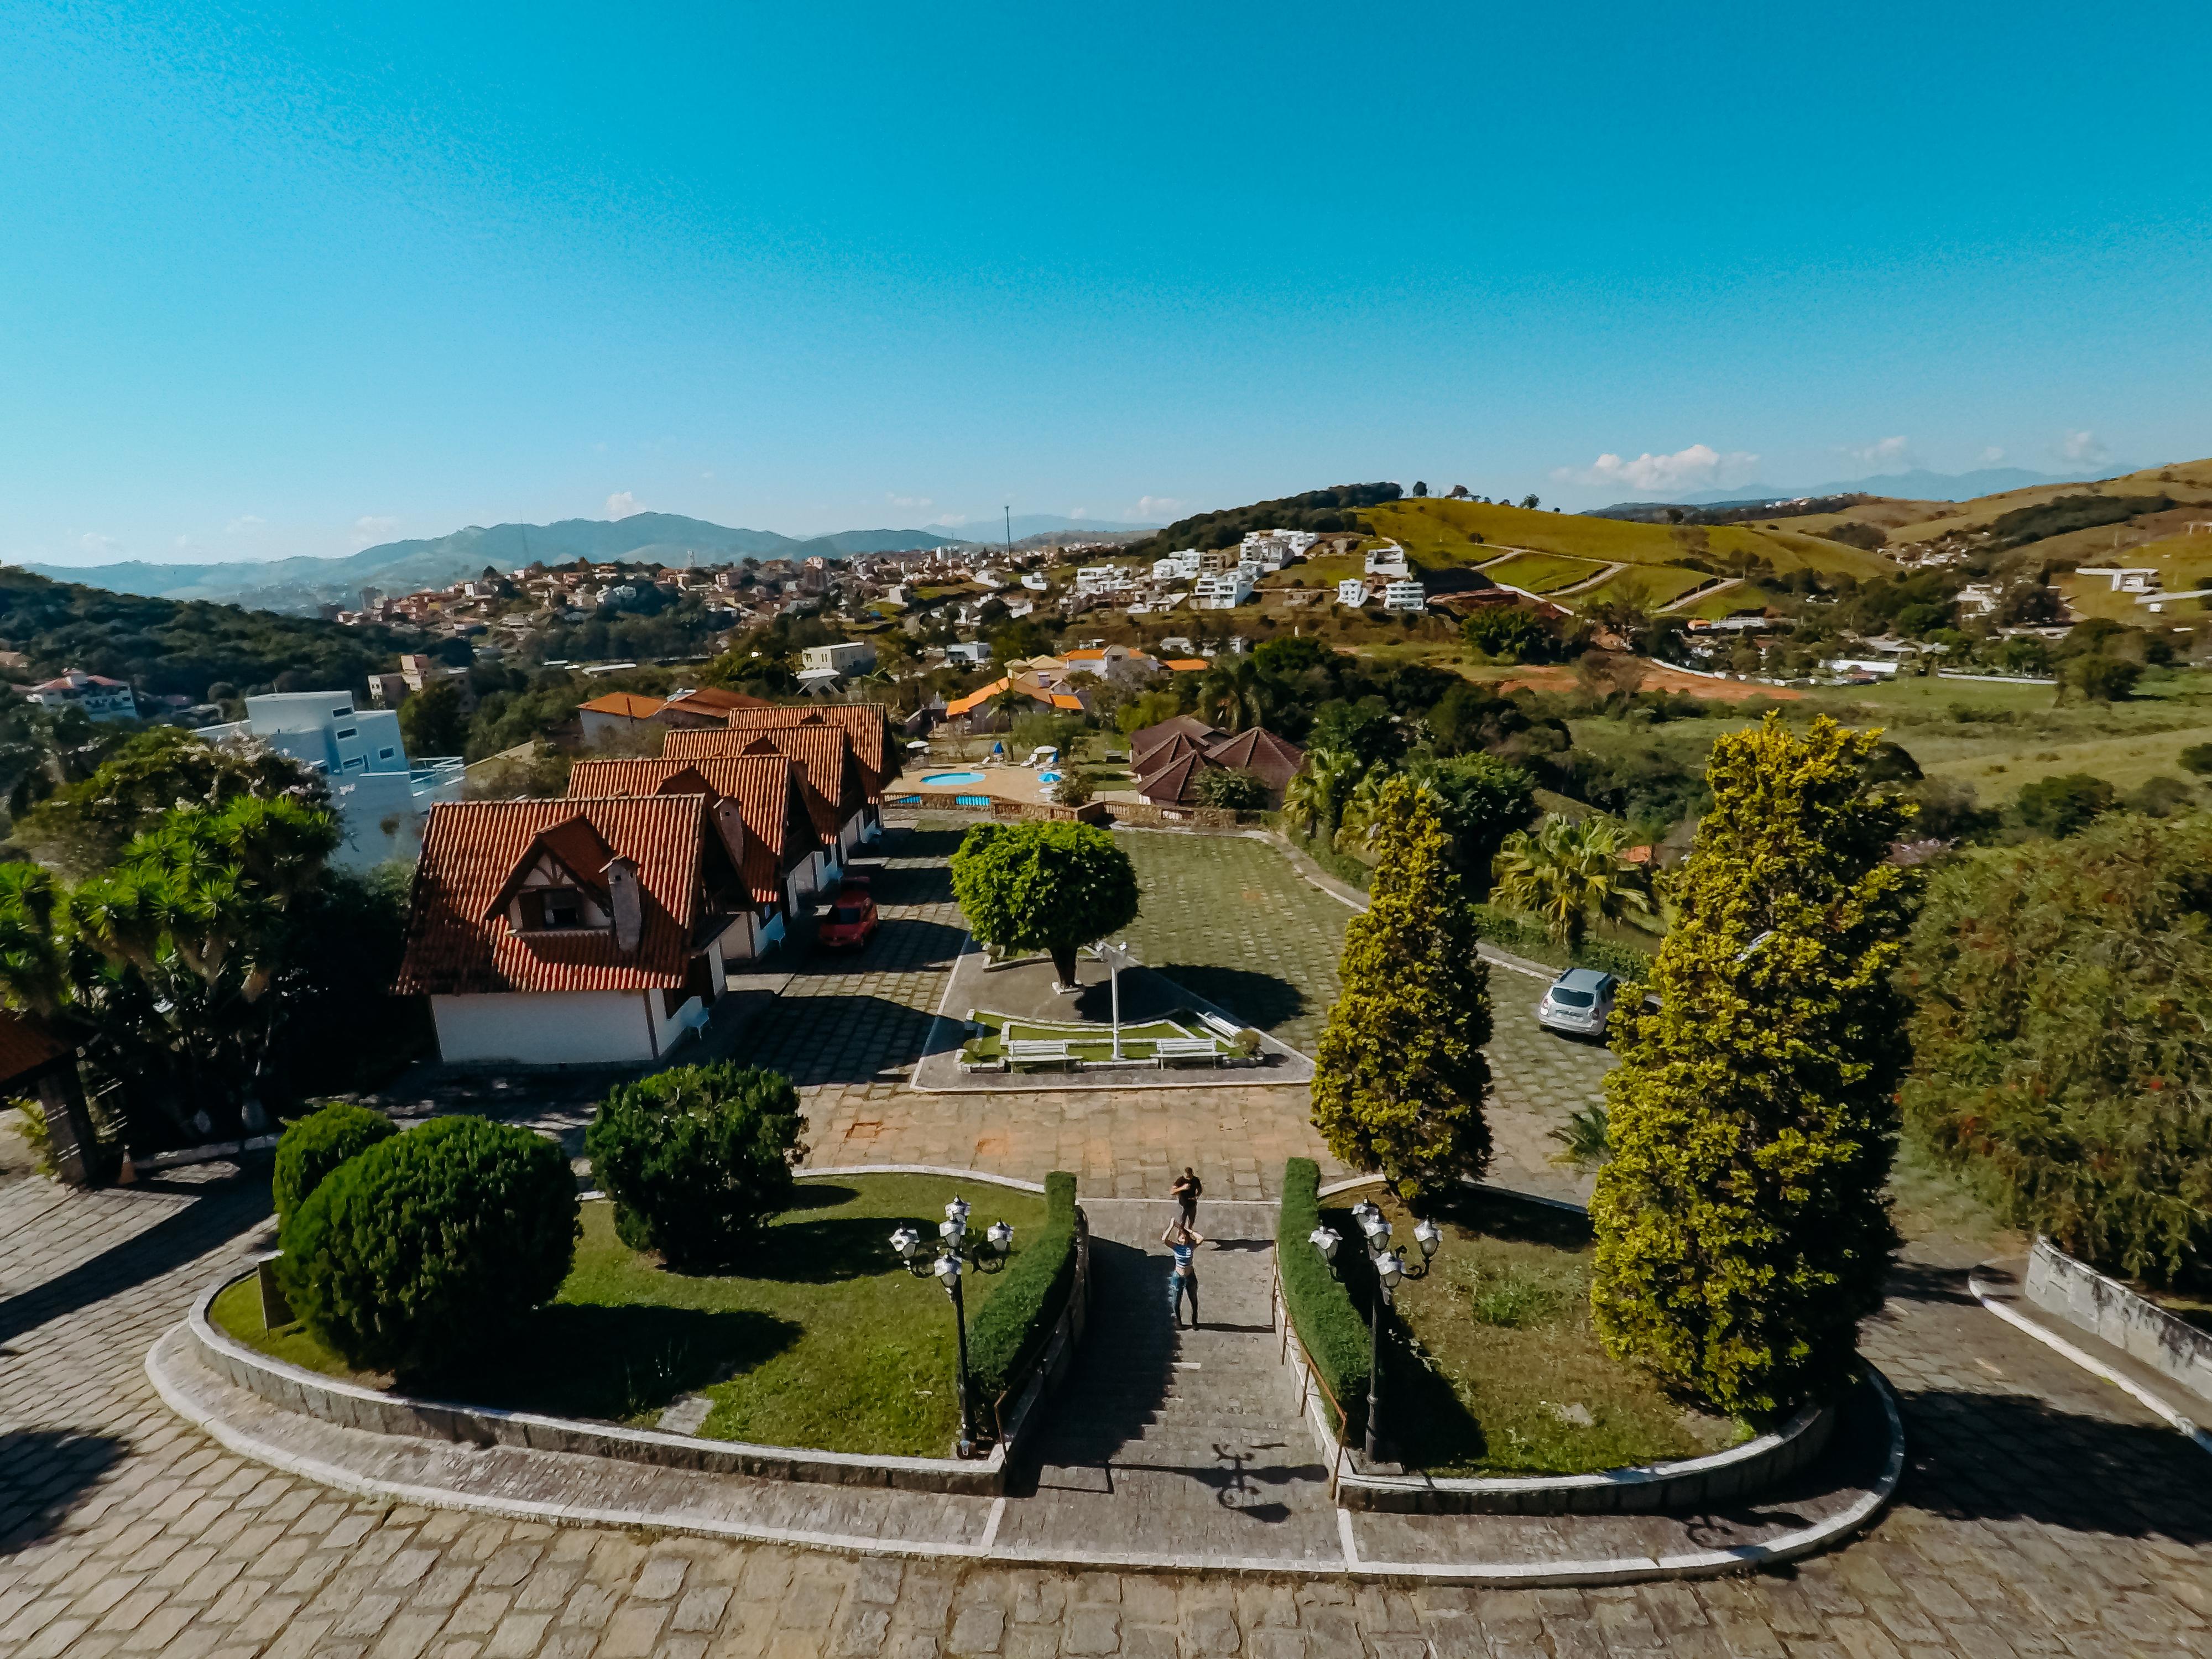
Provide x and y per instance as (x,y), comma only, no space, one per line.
(1032,1050)
(1186,1048)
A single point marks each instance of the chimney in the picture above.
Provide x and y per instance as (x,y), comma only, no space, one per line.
(627,899)
(731,825)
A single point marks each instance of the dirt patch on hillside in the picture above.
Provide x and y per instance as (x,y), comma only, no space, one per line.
(1558,676)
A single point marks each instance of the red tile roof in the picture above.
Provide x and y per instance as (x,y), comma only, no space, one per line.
(1274,760)
(866,724)
(473,851)
(1189,726)
(769,791)
(713,700)
(836,785)
(628,705)
(26,1045)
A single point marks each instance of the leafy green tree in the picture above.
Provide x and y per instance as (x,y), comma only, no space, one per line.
(431,722)
(163,967)
(1483,800)
(697,1159)
(1292,655)
(2064,806)
(1231,790)
(1570,874)
(1742,1229)
(1400,1076)
(1362,730)
(316,1145)
(1510,634)
(1049,887)
(1314,801)
(83,827)
(2064,989)
(2103,680)
(1234,694)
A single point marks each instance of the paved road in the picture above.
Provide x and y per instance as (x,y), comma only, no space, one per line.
(2044,1513)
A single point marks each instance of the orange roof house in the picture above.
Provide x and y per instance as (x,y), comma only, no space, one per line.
(778,833)
(578,930)
(866,724)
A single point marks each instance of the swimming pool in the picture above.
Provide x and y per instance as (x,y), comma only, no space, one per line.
(947,779)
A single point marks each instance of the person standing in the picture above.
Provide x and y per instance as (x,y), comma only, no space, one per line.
(1185,1190)
(1182,1244)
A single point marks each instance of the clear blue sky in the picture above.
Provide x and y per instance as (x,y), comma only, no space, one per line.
(295,279)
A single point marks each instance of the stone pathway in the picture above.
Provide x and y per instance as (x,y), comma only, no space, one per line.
(1180,1443)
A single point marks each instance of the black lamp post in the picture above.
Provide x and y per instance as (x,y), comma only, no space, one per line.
(1390,1266)
(988,1255)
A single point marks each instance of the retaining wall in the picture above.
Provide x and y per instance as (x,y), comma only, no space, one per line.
(2081,1296)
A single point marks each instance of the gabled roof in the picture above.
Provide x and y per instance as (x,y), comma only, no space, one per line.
(1172,747)
(1187,725)
(626,705)
(835,788)
(1187,665)
(769,791)
(473,850)
(976,699)
(865,723)
(714,701)
(1174,783)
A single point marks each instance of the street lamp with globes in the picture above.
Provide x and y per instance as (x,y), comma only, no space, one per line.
(988,1255)
(1390,1266)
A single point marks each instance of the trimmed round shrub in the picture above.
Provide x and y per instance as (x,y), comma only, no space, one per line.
(697,1159)
(316,1145)
(420,1255)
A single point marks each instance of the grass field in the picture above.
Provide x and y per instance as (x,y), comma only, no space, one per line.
(1516,1382)
(1441,532)
(1541,573)
(1653,585)
(827,1343)
(1728,602)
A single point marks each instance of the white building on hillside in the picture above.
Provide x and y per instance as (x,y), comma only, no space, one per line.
(1388,560)
(101,698)
(1404,596)
(845,657)
(1101,579)
(1352,592)
(1223,590)
(382,797)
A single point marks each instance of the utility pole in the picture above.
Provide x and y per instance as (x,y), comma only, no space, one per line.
(1009,530)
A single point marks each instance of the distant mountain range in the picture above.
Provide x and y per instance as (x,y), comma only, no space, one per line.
(300,585)
(1025,525)
(1917,485)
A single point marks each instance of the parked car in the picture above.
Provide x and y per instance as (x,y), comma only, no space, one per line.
(1578,1003)
(851,921)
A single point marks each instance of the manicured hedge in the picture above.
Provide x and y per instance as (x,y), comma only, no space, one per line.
(316,1145)
(1014,1323)
(1334,1336)
(419,1256)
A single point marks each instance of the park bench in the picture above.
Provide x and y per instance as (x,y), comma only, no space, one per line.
(1035,1051)
(1186,1048)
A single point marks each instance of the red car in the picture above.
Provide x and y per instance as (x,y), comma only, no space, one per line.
(851,921)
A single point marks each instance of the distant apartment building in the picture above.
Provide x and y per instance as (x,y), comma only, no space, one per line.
(845,657)
(1352,592)
(381,796)
(1407,596)
(1222,590)
(1388,560)
(101,698)
(1094,579)
(1181,566)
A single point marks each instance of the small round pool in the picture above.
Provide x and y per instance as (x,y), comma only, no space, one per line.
(947,780)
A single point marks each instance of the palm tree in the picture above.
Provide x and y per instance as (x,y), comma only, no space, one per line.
(1233,695)
(1570,874)
(1314,802)
(1360,819)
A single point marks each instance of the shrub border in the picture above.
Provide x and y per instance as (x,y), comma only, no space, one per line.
(1738,1473)
(350,1404)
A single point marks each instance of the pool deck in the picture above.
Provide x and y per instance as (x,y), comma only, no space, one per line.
(1002,782)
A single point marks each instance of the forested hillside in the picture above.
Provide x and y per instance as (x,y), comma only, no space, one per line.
(166,648)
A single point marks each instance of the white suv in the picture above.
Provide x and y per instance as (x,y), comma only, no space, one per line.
(1578,1003)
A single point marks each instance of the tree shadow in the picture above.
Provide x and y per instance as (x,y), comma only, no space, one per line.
(830,1252)
(2013,1457)
(616,1363)
(220,1210)
(43,1473)
(820,1195)
(1921,1281)
(1119,1383)
(1267,1001)
(817,1040)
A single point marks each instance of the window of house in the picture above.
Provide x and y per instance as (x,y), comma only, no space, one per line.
(357,764)
(383,754)
(352,731)
(561,906)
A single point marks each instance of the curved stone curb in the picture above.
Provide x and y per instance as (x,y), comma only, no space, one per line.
(350,1405)
(1738,1473)
(2180,1422)
(171,1361)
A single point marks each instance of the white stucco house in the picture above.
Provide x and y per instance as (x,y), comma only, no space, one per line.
(382,797)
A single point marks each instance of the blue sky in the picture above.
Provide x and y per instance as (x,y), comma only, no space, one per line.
(294,279)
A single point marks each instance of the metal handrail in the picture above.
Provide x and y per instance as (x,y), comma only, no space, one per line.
(1311,1378)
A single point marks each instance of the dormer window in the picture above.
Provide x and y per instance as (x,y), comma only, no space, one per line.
(561,906)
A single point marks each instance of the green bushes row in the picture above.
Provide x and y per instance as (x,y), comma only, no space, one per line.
(1334,1336)
(316,1145)
(1013,1324)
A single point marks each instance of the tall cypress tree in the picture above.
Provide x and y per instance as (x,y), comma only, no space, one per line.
(1742,1232)
(1399,1077)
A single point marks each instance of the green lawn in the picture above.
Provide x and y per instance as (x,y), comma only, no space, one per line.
(1515,1382)
(829,1343)
(1541,573)
(1725,602)
(1652,585)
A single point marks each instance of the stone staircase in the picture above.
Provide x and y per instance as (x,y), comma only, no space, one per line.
(1170,1441)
